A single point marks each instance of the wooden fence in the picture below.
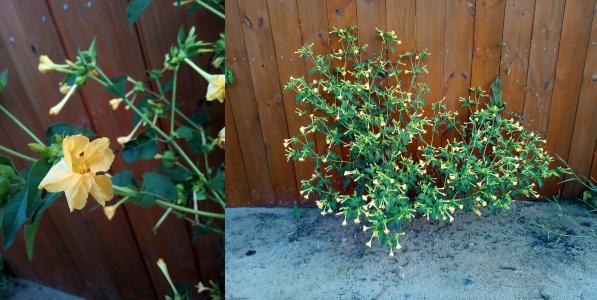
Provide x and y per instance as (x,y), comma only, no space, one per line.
(552,67)
(82,252)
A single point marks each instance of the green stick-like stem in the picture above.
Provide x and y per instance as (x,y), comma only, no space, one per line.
(188,210)
(213,10)
(23,156)
(205,75)
(21,125)
(173,101)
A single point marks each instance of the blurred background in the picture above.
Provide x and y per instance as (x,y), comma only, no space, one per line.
(82,252)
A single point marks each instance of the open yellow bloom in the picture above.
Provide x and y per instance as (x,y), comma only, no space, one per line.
(216,88)
(76,175)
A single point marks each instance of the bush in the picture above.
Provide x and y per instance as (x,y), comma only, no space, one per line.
(360,106)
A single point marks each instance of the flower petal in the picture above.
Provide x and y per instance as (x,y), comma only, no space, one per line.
(76,195)
(98,157)
(101,189)
(58,179)
(73,146)
(216,89)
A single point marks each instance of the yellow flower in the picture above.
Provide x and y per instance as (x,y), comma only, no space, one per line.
(216,88)
(222,138)
(65,89)
(217,62)
(76,175)
(201,288)
(115,102)
(46,64)
(111,210)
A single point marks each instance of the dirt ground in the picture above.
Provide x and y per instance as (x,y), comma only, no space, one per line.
(506,255)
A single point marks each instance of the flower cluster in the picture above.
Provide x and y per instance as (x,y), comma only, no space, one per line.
(393,156)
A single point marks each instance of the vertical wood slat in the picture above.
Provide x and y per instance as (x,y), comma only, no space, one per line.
(286,37)
(518,26)
(576,28)
(236,177)
(119,51)
(244,109)
(547,27)
(259,44)
(460,18)
(157,28)
(584,136)
(72,231)
(489,23)
(314,31)
(430,36)
(341,14)
(367,26)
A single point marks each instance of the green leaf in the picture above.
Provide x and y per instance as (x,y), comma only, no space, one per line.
(177,174)
(3,79)
(218,182)
(30,232)
(145,146)
(35,196)
(155,186)
(123,178)
(117,86)
(296,213)
(144,107)
(65,129)
(6,161)
(135,8)
(200,118)
(184,132)
(14,217)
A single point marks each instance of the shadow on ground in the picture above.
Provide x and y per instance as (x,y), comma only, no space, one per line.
(506,255)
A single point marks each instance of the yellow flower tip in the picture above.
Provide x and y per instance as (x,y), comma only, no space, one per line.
(217,62)
(357,221)
(115,102)
(398,246)
(386,231)
(216,89)
(399,42)
(45,64)
(201,288)
(222,138)
(161,263)
(391,253)
(75,174)
(344,223)
(65,89)
(368,244)
(123,139)
(110,211)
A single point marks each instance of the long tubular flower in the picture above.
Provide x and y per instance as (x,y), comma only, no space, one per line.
(216,89)
(164,269)
(46,64)
(123,139)
(56,109)
(76,173)
(111,210)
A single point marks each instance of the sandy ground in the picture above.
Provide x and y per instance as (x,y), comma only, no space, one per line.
(506,255)
(28,290)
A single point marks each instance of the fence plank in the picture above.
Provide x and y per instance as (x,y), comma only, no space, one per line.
(584,136)
(313,18)
(489,24)
(246,115)
(260,46)
(236,178)
(286,35)
(547,27)
(430,36)
(77,24)
(368,26)
(158,27)
(460,18)
(518,26)
(576,28)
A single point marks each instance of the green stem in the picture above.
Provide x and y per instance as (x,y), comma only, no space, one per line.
(173,101)
(23,156)
(188,210)
(124,191)
(205,75)
(213,10)
(157,129)
(21,125)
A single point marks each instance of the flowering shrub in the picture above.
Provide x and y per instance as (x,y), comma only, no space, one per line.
(69,162)
(361,106)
